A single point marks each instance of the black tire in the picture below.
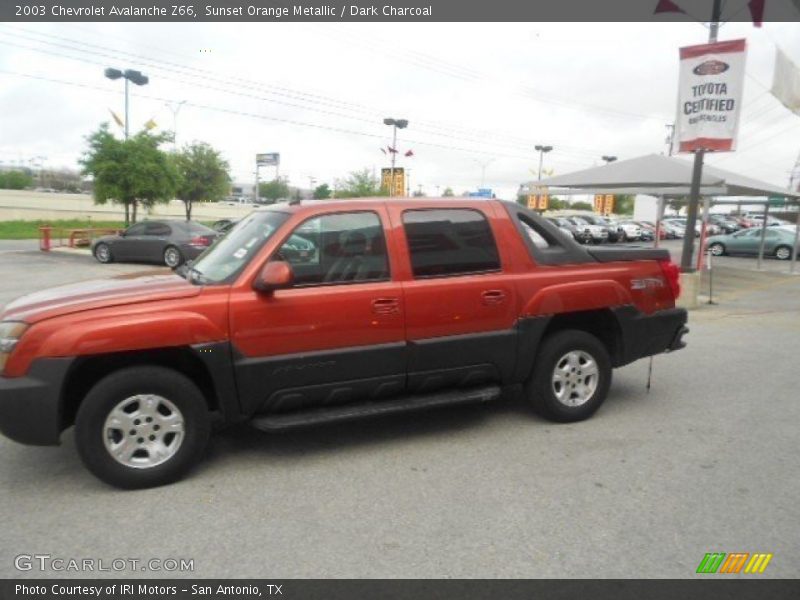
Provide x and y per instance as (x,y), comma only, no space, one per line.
(92,436)
(541,389)
(169,253)
(783,252)
(102,253)
(717,249)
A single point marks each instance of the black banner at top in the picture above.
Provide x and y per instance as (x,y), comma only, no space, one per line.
(387,10)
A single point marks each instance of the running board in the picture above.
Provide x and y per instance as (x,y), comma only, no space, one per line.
(349,412)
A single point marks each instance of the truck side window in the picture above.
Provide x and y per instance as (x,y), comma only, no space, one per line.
(337,248)
(447,242)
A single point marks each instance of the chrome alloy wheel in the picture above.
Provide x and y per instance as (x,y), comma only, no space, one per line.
(575,378)
(172,258)
(102,253)
(143,431)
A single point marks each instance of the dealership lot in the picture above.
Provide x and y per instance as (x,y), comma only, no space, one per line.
(707,461)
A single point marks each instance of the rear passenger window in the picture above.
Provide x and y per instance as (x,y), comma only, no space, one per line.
(157,229)
(447,242)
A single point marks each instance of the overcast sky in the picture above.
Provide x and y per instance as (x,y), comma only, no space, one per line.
(475,94)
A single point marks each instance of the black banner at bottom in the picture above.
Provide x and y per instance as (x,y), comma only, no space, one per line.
(401,589)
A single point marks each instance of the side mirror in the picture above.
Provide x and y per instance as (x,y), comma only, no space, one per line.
(275,275)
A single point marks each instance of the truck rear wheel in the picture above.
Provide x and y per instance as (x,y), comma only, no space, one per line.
(571,376)
(141,427)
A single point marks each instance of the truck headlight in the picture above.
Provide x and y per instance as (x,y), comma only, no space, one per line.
(10,332)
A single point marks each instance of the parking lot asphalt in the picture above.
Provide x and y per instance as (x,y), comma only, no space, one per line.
(706,461)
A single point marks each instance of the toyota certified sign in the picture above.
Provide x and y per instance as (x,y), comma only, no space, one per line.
(710,96)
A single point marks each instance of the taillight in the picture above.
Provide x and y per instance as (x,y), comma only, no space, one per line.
(201,241)
(673,276)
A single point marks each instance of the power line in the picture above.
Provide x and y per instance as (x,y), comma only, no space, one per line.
(268,117)
(477,136)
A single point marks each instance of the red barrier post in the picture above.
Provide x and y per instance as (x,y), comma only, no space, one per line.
(44,238)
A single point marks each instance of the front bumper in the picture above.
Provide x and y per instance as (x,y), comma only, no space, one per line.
(31,406)
(645,335)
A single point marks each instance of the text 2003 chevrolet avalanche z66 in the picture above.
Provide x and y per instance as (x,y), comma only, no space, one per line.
(321,311)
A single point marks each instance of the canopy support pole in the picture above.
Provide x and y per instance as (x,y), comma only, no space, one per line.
(763,236)
(796,236)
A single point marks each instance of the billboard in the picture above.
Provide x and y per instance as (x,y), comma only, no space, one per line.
(604,204)
(710,96)
(539,199)
(268,159)
(399,181)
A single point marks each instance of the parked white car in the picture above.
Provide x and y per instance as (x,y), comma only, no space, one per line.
(631,232)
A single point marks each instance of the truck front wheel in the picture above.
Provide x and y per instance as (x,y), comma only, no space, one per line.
(571,376)
(142,426)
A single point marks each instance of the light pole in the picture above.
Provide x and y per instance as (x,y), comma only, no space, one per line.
(608,159)
(135,77)
(175,108)
(542,151)
(483,165)
(395,124)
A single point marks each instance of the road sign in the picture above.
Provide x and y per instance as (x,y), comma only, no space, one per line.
(399,180)
(608,204)
(775,201)
(269,159)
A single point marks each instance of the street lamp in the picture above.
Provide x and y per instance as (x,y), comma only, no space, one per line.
(395,124)
(175,108)
(134,77)
(608,159)
(483,165)
(542,150)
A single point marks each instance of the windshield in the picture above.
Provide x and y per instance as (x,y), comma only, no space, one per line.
(223,261)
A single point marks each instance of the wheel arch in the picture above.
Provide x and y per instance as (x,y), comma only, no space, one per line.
(86,371)
(601,323)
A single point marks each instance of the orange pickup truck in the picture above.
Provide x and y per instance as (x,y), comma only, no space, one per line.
(313,312)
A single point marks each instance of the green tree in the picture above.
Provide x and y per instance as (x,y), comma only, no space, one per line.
(322,192)
(202,175)
(131,172)
(15,180)
(676,204)
(448,192)
(360,184)
(274,190)
(623,204)
(580,205)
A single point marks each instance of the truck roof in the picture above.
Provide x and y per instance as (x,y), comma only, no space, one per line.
(357,203)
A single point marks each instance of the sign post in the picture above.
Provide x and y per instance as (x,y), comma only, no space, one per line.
(266,159)
(709,105)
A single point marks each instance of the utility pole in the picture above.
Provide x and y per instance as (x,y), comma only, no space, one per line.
(697,170)
(483,165)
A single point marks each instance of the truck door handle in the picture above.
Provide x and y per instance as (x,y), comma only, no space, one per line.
(490,297)
(386,306)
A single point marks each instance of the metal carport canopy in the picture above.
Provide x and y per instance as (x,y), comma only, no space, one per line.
(656,175)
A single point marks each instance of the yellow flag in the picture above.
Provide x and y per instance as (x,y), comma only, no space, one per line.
(116,118)
(151,124)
